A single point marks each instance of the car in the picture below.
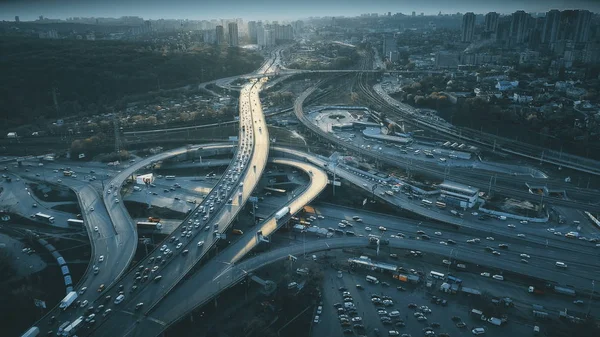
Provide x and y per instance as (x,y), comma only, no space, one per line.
(162,249)
(412,305)
(119,299)
(393,333)
(461,325)
(84,304)
(401,288)
(319,310)
(356,319)
(101,288)
(485,274)
(82,290)
(383,229)
(521,235)
(491,238)
(382,312)
(524,261)
(358,286)
(96,228)
(478,331)
(578,302)
(96,270)
(498,277)
(368,229)
(496,253)
(551,230)
(91,209)
(456,319)
(139,305)
(443,243)
(101,258)
(179,245)
(438,233)
(200,243)
(511,226)
(503,245)
(525,256)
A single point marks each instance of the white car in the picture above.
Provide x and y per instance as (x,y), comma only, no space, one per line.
(95,228)
(383,229)
(179,245)
(511,226)
(498,277)
(443,243)
(116,201)
(485,274)
(521,235)
(82,290)
(438,233)
(368,229)
(91,209)
(525,256)
(101,258)
(491,238)
(551,230)
(162,249)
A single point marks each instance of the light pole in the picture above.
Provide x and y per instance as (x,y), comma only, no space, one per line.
(450,260)
(591,296)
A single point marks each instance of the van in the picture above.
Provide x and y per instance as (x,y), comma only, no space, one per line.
(498,277)
(561,265)
(478,331)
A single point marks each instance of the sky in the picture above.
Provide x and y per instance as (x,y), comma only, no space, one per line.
(267,9)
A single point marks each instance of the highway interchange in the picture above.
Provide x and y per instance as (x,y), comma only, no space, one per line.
(161,301)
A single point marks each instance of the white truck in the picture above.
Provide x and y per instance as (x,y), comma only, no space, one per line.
(32,332)
(72,328)
(281,213)
(68,300)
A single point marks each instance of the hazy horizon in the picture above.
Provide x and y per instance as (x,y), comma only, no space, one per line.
(29,10)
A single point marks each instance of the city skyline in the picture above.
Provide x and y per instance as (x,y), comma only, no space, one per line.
(269,9)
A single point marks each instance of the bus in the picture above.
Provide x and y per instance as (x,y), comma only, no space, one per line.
(372,279)
(426,203)
(436,275)
(170,177)
(440,204)
(44,217)
(75,222)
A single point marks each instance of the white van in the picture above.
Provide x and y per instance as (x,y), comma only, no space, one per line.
(478,331)
(561,265)
(498,277)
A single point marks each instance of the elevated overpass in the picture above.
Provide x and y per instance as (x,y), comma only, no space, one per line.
(134,324)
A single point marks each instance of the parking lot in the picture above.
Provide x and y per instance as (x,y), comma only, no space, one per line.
(435,317)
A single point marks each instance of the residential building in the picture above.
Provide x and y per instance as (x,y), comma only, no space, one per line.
(468,27)
(233,34)
(220,35)
(519,27)
(551,26)
(17,19)
(390,48)
(491,22)
(252,25)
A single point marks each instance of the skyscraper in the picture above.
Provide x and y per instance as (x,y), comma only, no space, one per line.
(468,27)
(390,48)
(519,27)
(233,34)
(582,25)
(220,38)
(491,22)
(17,19)
(252,31)
(551,26)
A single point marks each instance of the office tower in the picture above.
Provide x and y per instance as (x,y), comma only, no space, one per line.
(17,19)
(468,27)
(519,27)
(233,34)
(414,14)
(491,22)
(252,31)
(551,26)
(220,38)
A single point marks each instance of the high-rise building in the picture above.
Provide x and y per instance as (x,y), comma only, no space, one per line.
(414,14)
(233,34)
(252,31)
(551,26)
(260,35)
(491,22)
(390,48)
(17,19)
(519,27)
(468,27)
(220,38)
(582,25)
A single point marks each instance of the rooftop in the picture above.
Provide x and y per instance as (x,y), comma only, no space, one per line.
(458,187)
